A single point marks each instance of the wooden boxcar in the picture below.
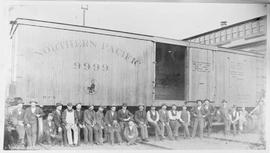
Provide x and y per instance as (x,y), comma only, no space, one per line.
(55,62)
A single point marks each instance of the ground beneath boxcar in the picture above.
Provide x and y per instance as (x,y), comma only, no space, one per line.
(216,141)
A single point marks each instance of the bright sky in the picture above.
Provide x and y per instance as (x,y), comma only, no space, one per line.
(172,20)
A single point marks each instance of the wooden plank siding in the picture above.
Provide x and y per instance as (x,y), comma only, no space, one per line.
(55,65)
(218,75)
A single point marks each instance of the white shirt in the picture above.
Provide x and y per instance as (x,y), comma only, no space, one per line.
(149,116)
(70,117)
(171,117)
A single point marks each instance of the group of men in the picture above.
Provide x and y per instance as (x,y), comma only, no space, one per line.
(69,126)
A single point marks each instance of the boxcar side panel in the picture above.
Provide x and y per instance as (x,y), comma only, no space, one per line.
(217,75)
(58,65)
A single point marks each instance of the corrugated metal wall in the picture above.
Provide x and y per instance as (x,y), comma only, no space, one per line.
(57,65)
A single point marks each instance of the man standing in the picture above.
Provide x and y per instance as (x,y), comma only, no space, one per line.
(141,120)
(224,112)
(164,122)
(174,121)
(60,130)
(198,113)
(131,133)
(18,119)
(185,120)
(70,121)
(31,120)
(209,111)
(99,126)
(81,126)
(234,117)
(153,118)
(89,122)
(242,119)
(113,127)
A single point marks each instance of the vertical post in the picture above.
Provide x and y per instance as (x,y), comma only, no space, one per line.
(84,8)
(267,64)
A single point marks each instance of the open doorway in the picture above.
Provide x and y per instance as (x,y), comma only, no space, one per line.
(170,72)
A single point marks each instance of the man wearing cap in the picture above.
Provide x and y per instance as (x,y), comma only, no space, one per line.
(198,113)
(225,115)
(99,126)
(242,119)
(60,130)
(234,117)
(80,123)
(18,119)
(124,116)
(141,120)
(185,120)
(89,121)
(31,120)
(112,125)
(70,121)
(49,129)
(174,121)
(164,122)
(209,111)
(153,118)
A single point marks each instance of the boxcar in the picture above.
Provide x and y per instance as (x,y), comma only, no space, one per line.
(55,62)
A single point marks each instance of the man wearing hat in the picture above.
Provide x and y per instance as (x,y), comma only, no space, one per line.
(234,117)
(112,125)
(199,115)
(153,118)
(174,121)
(185,120)
(225,115)
(89,121)
(131,133)
(31,120)
(70,121)
(209,113)
(99,126)
(124,116)
(164,122)
(60,130)
(80,124)
(141,120)
(49,129)
(18,119)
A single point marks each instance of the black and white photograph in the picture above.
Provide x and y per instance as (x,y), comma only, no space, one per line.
(135,75)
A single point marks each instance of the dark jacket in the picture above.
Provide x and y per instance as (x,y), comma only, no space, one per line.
(49,129)
(80,116)
(140,116)
(209,111)
(198,113)
(64,115)
(99,117)
(16,116)
(57,119)
(109,118)
(163,117)
(30,117)
(89,117)
(122,115)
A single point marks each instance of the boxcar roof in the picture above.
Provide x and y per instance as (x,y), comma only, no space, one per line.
(117,33)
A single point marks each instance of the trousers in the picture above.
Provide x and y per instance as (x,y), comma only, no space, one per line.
(200,122)
(74,128)
(88,134)
(31,133)
(175,127)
